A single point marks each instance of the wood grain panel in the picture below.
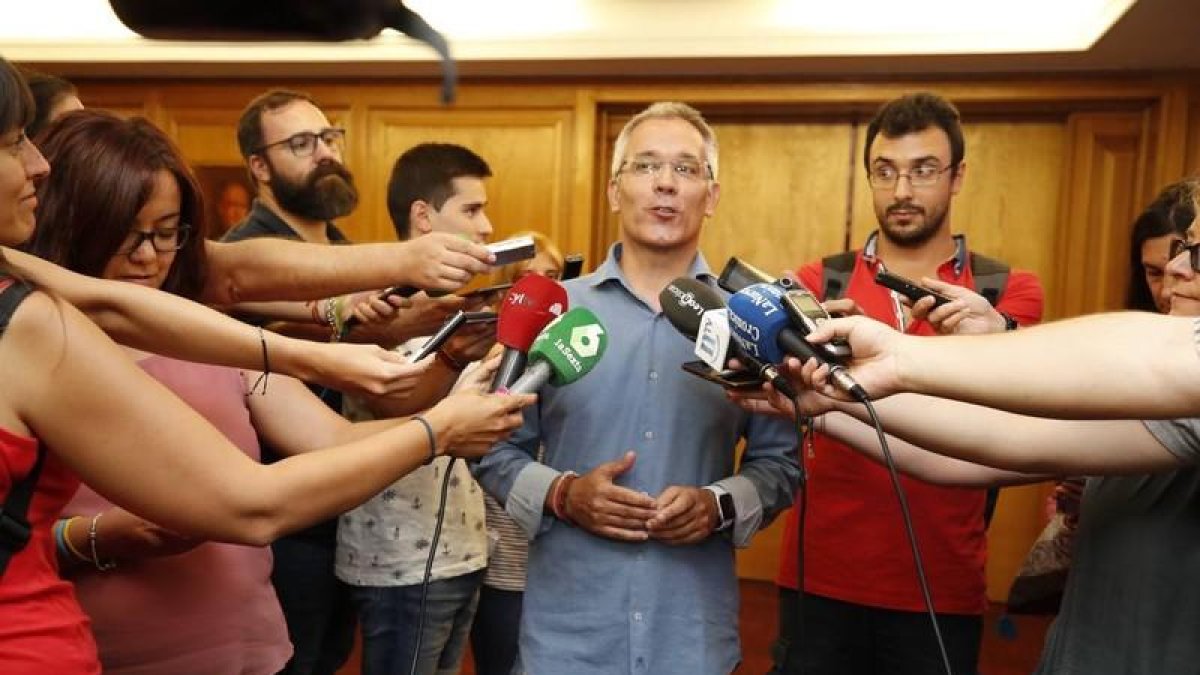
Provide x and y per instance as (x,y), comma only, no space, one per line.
(784,189)
(1102,189)
(527,151)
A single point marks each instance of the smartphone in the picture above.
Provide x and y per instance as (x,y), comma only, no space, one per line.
(439,338)
(480,317)
(486,291)
(737,275)
(907,288)
(513,250)
(730,379)
(806,313)
(572,266)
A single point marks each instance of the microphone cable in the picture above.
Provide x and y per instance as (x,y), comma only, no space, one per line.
(804,436)
(437,534)
(908,527)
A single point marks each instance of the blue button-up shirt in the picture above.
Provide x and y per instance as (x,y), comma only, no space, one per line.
(594,605)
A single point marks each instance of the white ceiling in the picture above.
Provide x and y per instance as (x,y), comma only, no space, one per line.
(659,37)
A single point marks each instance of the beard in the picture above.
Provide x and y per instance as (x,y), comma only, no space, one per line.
(327,192)
(912,235)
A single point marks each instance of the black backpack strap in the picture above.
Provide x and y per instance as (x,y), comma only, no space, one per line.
(835,274)
(991,276)
(15,529)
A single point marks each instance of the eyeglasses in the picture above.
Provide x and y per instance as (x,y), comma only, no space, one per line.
(164,240)
(304,144)
(886,176)
(16,147)
(1178,246)
(687,169)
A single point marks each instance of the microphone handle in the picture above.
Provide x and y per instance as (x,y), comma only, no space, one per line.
(536,376)
(512,364)
(792,343)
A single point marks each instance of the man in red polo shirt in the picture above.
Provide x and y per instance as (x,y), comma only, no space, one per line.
(863,611)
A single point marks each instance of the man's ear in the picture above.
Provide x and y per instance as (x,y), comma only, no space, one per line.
(614,206)
(259,169)
(418,218)
(956,183)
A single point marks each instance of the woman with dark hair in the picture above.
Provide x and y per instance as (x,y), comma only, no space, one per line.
(1166,219)
(53,97)
(74,407)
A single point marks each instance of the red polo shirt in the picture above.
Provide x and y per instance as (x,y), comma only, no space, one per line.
(855,547)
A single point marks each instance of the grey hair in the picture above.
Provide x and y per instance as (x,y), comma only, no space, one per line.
(667,110)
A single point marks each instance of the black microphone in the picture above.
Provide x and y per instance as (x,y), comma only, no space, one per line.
(275,20)
(684,302)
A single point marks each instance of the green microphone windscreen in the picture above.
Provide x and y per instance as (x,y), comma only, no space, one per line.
(571,345)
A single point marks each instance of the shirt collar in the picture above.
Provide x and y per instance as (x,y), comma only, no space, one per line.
(610,269)
(959,259)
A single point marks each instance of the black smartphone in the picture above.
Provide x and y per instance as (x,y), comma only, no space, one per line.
(908,288)
(439,338)
(738,274)
(487,290)
(480,317)
(572,266)
(730,379)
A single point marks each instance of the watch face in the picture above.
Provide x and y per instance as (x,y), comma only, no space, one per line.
(726,503)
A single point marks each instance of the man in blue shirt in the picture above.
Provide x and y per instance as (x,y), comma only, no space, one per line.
(635,573)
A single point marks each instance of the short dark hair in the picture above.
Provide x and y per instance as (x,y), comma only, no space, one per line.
(426,172)
(47,91)
(16,102)
(104,169)
(1171,212)
(912,113)
(249,128)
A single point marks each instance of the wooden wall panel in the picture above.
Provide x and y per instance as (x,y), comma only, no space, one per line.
(527,151)
(784,190)
(1102,195)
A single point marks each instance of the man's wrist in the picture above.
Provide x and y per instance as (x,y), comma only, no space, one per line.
(722,507)
(1007,322)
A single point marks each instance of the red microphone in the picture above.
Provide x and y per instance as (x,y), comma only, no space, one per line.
(532,302)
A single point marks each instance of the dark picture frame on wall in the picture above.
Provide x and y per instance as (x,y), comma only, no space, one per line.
(227,197)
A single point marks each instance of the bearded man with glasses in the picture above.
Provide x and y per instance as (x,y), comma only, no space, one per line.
(861,606)
(294,157)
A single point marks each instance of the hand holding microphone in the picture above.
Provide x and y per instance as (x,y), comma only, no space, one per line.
(763,327)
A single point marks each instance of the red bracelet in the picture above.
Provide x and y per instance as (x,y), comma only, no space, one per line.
(559,505)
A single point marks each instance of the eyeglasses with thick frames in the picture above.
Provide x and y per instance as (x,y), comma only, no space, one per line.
(687,169)
(304,144)
(886,176)
(164,240)
(1178,246)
